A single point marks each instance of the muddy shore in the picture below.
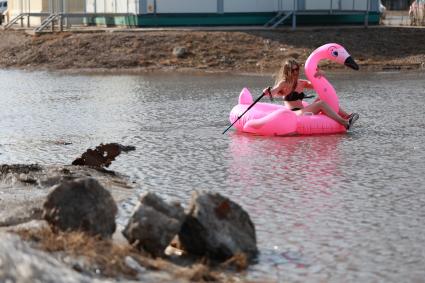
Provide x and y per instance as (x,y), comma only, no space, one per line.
(255,51)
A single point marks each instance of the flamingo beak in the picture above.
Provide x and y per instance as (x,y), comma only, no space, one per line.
(349,62)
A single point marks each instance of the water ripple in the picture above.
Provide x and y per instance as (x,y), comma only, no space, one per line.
(336,208)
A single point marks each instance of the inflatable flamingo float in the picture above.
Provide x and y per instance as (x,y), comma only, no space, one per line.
(269,119)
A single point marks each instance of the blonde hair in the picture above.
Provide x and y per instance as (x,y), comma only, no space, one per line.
(285,73)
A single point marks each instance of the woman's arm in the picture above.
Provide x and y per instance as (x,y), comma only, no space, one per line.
(306,84)
(281,89)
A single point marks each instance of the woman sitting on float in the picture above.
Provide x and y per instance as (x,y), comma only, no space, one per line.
(290,87)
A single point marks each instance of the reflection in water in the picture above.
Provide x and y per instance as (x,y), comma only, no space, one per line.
(314,157)
(281,176)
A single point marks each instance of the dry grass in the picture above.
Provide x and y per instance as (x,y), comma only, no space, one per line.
(107,259)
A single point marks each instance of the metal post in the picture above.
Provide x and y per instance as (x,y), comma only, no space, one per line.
(22,11)
(95,12)
(220,6)
(294,16)
(61,16)
(52,10)
(29,12)
(330,11)
(366,18)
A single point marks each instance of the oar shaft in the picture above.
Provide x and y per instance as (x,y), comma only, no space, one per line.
(258,99)
(230,126)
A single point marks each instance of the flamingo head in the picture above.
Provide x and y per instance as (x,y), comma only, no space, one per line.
(337,53)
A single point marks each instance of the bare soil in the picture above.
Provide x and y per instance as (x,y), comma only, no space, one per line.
(255,51)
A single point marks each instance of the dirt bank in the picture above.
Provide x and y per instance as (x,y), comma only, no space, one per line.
(238,51)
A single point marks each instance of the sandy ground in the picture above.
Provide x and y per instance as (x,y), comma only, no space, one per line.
(254,51)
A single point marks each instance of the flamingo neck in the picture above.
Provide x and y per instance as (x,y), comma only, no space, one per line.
(321,85)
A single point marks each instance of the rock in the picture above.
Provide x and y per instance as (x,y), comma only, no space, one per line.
(218,228)
(83,205)
(154,224)
(102,155)
(21,263)
(179,52)
(22,201)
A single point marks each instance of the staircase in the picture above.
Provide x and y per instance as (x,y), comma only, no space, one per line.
(47,21)
(14,21)
(278,19)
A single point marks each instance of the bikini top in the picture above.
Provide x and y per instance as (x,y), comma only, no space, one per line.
(293,96)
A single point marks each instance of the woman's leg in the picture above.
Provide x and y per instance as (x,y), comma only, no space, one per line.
(343,113)
(321,105)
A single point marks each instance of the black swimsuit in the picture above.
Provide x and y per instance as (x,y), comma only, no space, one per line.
(293,96)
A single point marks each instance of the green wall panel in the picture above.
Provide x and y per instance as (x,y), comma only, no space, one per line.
(173,20)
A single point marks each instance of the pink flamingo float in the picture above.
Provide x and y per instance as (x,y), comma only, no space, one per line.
(270,119)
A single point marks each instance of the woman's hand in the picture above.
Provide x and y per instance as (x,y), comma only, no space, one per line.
(267,91)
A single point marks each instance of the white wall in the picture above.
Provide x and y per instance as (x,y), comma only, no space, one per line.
(112,6)
(187,6)
(95,6)
(321,5)
(346,5)
(210,6)
(235,6)
(360,5)
(287,5)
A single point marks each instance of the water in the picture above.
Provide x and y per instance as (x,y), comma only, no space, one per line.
(336,208)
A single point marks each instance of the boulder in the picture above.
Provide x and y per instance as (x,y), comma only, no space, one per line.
(154,224)
(22,200)
(218,228)
(21,263)
(179,52)
(81,204)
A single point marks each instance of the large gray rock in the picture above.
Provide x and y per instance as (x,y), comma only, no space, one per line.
(24,188)
(218,228)
(154,224)
(22,264)
(81,205)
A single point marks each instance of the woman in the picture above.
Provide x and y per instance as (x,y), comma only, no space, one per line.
(289,86)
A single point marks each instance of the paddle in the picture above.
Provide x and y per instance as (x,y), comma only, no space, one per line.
(258,99)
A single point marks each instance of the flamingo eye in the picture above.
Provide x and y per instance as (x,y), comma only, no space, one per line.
(335,53)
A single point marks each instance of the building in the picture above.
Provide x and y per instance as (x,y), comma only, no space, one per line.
(148,13)
(37,10)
